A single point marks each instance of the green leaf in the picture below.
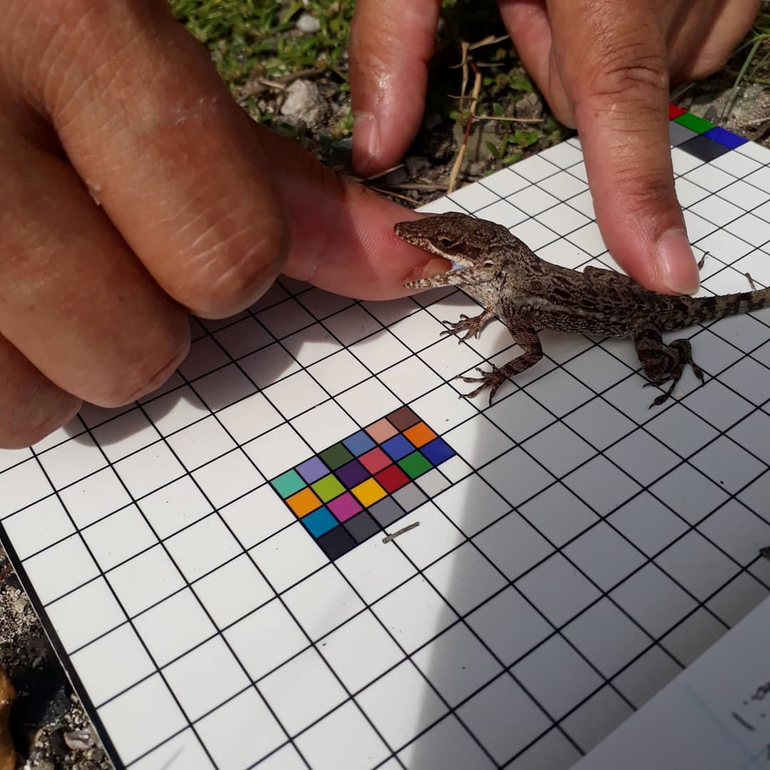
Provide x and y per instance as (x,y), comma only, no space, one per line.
(493,150)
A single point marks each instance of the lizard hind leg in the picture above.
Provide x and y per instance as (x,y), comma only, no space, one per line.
(663,363)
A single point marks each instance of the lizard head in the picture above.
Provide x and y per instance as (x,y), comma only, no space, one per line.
(463,240)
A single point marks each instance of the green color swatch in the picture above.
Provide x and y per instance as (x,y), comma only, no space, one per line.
(414,465)
(328,488)
(288,483)
(336,456)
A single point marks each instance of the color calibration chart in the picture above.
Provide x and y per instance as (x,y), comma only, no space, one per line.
(310,550)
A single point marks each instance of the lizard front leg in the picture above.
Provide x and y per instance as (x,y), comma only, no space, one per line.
(526,337)
(663,363)
(471,326)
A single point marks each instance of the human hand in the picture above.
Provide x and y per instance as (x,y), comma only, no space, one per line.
(603,65)
(199,209)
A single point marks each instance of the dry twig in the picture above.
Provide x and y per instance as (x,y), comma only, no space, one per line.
(461,153)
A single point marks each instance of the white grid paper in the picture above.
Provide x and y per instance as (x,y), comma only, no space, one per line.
(579,551)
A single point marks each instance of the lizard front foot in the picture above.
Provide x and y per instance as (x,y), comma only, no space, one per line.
(492,379)
(471,326)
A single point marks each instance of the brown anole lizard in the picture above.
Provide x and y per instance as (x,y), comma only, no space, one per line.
(529,295)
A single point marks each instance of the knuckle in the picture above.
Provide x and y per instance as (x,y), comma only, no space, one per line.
(151,368)
(225,277)
(39,414)
(629,70)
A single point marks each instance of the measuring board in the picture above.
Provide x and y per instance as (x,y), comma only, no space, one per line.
(305,551)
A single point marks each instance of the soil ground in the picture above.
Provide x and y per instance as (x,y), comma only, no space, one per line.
(46,711)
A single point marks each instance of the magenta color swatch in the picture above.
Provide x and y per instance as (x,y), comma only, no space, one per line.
(344,507)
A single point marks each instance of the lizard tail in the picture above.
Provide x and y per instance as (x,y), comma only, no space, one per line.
(712,308)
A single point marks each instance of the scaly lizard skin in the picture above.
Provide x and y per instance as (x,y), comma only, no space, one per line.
(529,295)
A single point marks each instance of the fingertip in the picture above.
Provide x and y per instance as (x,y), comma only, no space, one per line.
(676,269)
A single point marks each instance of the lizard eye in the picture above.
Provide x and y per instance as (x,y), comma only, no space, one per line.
(446,242)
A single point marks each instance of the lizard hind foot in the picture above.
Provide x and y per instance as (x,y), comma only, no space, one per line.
(669,369)
(492,379)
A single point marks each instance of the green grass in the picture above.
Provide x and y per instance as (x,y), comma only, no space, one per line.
(257,38)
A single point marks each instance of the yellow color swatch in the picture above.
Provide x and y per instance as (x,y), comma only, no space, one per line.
(304,502)
(368,492)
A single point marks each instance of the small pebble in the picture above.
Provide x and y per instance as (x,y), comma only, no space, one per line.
(78,740)
(307,24)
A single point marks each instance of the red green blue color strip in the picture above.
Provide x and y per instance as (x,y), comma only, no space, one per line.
(700,137)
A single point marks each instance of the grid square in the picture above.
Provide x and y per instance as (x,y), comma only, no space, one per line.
(39,526)
(375,568)
(287,557)
(601,485)
(174,627)
(647,523)
(446,744)
(646,676)
(152,699)
(414,613)
(223,731)
(607,637)
(516,476)
(596,718)
(141,582)
(558,589)
(96,663)
(509,626)
(256,516)
(119,537)
(322,602)
(465,578)
(504,718)
(360,651)
(546,513)
(60,568)
(362,747)
(457,664)
(419,706)
(472,504)
(738,531)
(693,636)
(265,639)
(513,545)
(435,536)
(697,565)
(728,463)
(202,547)
(559,449)
(86,613)
(301,691)
(175,507)
(604,556)
(557,677)
(232,591)
(653,600)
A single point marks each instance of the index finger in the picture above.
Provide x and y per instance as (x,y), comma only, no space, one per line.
(612,59)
